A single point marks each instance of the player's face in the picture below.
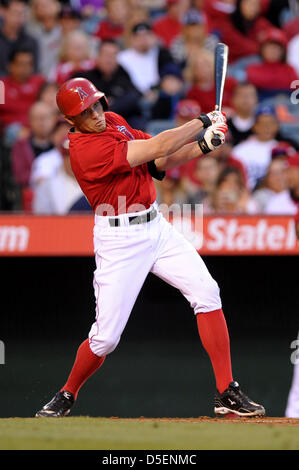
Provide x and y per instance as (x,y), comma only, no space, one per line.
(91,120)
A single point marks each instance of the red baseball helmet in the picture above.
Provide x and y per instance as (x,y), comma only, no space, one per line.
(77,94)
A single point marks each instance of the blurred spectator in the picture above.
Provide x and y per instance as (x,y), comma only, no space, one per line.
(138,14)
(230,195)
(60,192)
(12,34)
(241,29)
(21,90)
(69,19)
(255,152)
(171,189)
(47,162)
(243,102)
(287,202)
(216,12)
(171,91)
(194,36)
(207,171)
(169,26)
(274,183)
(273,55)
(74,56)
(293,53)
(110,77)
(200,75)
(42,121)
(46,29)
(113,27)
(145,59)
(47,94)
(291,25)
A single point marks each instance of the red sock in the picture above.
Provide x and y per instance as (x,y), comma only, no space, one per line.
(86,363)
(213,333)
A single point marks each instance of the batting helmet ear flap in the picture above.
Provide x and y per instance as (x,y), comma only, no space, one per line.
(76,95)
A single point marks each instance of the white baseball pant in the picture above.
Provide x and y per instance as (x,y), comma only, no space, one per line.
(125,255)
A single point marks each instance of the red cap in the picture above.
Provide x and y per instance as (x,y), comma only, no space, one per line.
(274,35)
(76,95)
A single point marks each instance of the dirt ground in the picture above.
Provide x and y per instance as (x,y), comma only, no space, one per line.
(231,419)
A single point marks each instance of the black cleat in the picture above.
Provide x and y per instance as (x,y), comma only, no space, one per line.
(234,401)
(58,407)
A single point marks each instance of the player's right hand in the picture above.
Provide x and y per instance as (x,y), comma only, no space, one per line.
(217,117)
(211,138)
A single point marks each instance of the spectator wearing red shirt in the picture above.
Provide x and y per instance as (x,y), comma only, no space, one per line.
(200,74)
(113,26)
(241,30)
(22,87)
(273,75)
(169,26)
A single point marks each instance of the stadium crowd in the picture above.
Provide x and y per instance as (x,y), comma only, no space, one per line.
(154,60)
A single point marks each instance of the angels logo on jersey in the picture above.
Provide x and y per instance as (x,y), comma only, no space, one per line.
(125,131)
(81,93)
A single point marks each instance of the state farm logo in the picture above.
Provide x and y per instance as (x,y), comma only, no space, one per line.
(13,238)
(237,235)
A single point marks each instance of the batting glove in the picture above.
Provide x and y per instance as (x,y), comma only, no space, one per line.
(217,117)
(210,139)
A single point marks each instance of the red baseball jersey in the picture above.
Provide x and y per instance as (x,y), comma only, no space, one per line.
(100,165)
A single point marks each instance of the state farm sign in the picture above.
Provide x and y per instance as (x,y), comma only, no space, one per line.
(28,235)
(241,235)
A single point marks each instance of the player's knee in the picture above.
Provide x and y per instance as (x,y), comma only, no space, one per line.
(209,299)
(103,346)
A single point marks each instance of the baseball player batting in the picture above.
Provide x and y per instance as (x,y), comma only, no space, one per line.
(115,165)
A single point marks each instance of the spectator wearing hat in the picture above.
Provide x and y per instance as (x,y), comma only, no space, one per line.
(199,73)
(194,36)
(113,26)
(169,26)
(171,91)
(255,151)
(287,202)
(13,34)
(144,59)
(69,18)
(273,75)
(244,101)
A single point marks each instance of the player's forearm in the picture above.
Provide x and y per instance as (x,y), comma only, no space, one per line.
(164,144)
(183,155)
(173,140)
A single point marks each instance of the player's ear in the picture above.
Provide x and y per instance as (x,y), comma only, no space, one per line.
(69,120)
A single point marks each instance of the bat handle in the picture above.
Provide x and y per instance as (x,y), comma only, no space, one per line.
(216,141)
